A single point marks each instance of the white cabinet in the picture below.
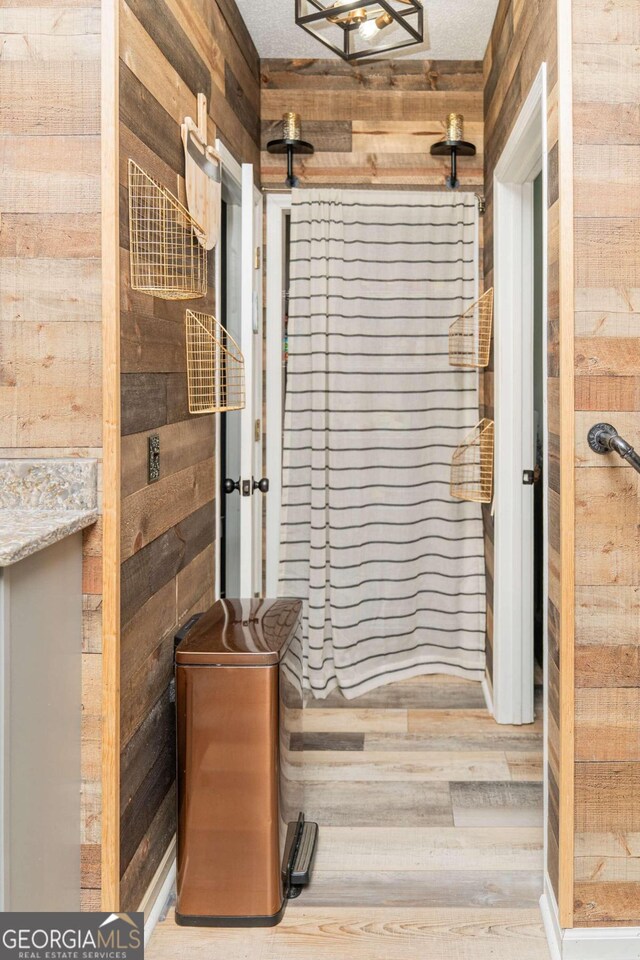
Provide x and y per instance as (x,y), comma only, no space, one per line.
(40,713)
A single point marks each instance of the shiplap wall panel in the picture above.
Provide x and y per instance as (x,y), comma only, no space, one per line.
(50,330)
(170,50)
(372,124)
(607,231)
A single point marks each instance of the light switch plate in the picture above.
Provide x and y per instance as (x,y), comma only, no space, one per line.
(154,459)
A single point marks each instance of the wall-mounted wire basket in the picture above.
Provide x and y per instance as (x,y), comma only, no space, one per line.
(215,366)
(167,260)
(472,465)
(470,334)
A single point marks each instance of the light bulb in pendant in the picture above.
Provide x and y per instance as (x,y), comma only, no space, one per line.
(370,30)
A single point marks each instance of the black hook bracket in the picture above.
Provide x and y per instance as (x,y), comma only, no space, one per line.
(290,147)
(453,149)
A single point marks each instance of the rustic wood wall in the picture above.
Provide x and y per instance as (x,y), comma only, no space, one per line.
(372,124)
(524,36)
(170,50)
(50,330)
(606,34)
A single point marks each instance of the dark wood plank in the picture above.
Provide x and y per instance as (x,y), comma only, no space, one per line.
(327,741)
(237,26)
(136,817)
(181,445)
(173,42)
(123,197)
(177,397)
(230,46)
(149,854)
(149,121)
(147,571)
(143,689)
(332,136)
(154,738)
(143,401)
(151,345)
(524,742)
(240,105)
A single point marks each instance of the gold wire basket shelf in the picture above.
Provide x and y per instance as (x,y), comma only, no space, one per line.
(470,334)
(166,256)
(472,465)
(215,366)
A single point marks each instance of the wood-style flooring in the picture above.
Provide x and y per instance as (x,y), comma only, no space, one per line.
(430,836)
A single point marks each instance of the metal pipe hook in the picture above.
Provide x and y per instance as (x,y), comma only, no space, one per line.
(604,438)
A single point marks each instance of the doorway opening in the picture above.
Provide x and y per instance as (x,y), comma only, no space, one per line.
(229,423)
(521,454)
(239,432)
(539,376)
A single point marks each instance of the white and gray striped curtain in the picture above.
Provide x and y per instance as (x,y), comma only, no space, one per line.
(390,566)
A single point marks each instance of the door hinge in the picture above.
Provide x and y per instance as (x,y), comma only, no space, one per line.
(258,258)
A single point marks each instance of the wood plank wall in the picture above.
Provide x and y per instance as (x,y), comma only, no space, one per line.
(50,329)
(524,36)
(170,50)
(372,124)
(606,34)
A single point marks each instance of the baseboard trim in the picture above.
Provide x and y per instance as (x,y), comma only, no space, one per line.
(488,694)
(586,943)
(159,890)
(549,910)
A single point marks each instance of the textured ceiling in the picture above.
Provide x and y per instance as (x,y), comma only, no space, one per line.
(457,30)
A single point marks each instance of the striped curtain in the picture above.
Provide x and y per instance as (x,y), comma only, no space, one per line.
(390,567)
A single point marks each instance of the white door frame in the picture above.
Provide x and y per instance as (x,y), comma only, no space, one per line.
(232,181)
(519,165)
(251,574)
(250,299)
(239,182)
(278,204)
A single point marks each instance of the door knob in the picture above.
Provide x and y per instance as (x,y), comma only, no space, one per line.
(261,485)
(230,485)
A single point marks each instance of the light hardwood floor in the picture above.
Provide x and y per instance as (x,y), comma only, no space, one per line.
(430,836)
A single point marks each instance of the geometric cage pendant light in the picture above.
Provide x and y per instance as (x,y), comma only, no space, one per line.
(355,29)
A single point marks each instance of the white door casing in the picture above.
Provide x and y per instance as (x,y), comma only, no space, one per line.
(240,182)
(513,612)
(251,502)
(278,207)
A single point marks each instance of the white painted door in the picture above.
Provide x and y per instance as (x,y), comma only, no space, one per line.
(251,497)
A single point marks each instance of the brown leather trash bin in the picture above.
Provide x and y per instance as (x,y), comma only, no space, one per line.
(243,844)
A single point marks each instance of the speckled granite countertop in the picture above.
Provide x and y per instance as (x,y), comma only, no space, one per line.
(23,532)
(42,501)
